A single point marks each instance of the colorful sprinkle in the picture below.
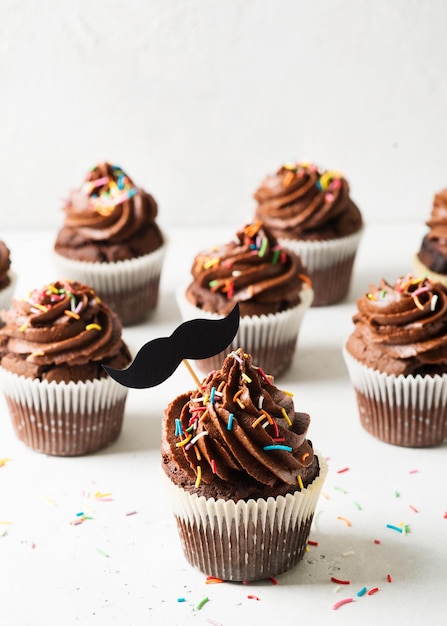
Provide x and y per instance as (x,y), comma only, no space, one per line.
(278,447)
(273,580)
(340,603)
(361,592)
(286,417)
(252,597)
(202,603)
(413,508)
(312,543)
(93,327)
(246,378)
(300,481)
(343,519)
(341,471)
(339,581)
(199,477)
(389,579)
(396,528)
(373,590)
(230,421)
(213,580)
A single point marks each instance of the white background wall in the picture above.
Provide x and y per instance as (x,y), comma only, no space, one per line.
(198,99)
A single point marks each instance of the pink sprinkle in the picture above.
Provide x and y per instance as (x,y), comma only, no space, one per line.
(413,471)
(413,508)
(340,603)
(419,291)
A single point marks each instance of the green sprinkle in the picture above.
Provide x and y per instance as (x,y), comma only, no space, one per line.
(213,283)
(356,504)
(396,494)
(263,249)
(340,489)
(202,603)
(102,553)
(275,257)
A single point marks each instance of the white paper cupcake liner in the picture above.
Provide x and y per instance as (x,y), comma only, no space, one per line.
(6,294)
(270,339)
(129,287)
(245,540)
(329,265)
(403,410)
(64,419)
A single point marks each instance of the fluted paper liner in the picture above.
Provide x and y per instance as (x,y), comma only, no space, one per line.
(402,410)
(64,419)
(245,540)
(328,263)
(129,287)
(270,339)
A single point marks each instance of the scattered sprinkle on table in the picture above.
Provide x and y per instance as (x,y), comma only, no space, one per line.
(102,553)
(341,471)
(373,590)
(340,603)
(252,597)
(393,527)
(202,603)
(339,581)
(361,592)
(343,519)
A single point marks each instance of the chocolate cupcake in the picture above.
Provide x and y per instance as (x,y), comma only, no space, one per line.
(111,241)
(243,479)
(397,361)
(311,212)
(431,259)
(269,283)
(52,347)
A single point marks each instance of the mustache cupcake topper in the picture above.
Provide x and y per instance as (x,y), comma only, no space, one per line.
(158,359)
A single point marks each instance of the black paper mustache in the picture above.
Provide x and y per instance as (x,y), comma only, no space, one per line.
(159,358)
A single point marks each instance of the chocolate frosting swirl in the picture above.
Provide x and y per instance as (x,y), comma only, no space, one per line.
(433,252)
(5,264)
(301,202)
(61,332)
(237,435)
(402,328)
(108,219)
(252,270)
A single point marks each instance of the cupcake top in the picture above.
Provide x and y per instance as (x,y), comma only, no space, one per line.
(238,436)
(5,264)
(253,270)
(301,202)
(402,328)
(61,332)
(108,219)
(433,252)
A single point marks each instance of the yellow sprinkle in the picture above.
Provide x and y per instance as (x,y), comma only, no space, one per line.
(290,166)
(418,303)
(37,353)
(4,522)
(288,393)
(52,289)
(3,462)
(72,314)
(370,296)
(182,443)
(98,494)
(206,398)
(211,262)
(300,481)
(286,417)
(245,377)
(41,307)
(23,327)
(258,421)
(199,477)
(93,327)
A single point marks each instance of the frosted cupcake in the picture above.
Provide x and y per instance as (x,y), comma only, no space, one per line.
(7,277)
(52,347)
(269,283)
(311,212)
(397,361)
(243,479)
(431,259)
(111,241)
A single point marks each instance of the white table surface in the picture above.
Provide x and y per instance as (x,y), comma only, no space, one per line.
(125,566)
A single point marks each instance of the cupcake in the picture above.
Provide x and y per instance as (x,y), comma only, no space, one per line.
(311,213)
(243,479)
(268,282)
(431,259)
(7,277)
(110,240)
(52,347)
(397,361)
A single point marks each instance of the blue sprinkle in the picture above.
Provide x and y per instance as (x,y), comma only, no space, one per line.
(399,530)
(278,447)
(361,592)
(178,428)
(181,600)
(213,391)
(230,421)
(318,185)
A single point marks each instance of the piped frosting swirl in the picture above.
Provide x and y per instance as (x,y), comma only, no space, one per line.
(253,270)
(5,264)
(402,328)
(61,332)
(300,201)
